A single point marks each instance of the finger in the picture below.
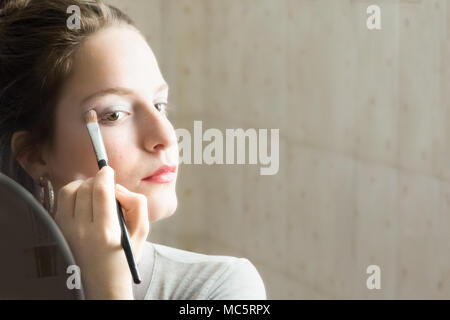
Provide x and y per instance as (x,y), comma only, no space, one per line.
(104,201)
(135,211)
(83,202)
(66,202)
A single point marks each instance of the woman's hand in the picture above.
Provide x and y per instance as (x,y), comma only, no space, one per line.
(87,216)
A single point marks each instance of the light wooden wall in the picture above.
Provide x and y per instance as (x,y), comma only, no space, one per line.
(364,139)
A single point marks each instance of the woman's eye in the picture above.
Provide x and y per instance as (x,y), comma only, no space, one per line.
(113,116)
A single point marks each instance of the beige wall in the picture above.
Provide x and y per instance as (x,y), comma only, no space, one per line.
(364,149)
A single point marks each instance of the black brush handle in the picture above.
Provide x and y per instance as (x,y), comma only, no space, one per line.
(125,237)
(127,247)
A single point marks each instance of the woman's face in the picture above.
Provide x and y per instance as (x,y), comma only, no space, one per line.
(116,73)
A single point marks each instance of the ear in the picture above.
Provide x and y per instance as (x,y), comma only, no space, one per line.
(31,160)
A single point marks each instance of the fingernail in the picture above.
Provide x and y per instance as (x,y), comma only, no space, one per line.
(108,169)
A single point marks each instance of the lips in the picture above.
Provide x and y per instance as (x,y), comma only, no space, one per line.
(164,174)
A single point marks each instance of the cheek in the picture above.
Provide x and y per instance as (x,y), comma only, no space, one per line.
(120,150)
(123,153)
(174,155)
(174,150)
(118,139)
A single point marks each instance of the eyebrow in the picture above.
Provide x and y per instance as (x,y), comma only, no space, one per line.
(120,91)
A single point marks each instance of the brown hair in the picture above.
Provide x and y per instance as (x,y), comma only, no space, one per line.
(36,55)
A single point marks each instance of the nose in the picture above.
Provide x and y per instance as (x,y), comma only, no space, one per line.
(159,133)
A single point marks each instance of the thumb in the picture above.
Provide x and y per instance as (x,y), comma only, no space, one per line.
(134,207)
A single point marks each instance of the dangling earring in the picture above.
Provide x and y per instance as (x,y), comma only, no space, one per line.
(47,197)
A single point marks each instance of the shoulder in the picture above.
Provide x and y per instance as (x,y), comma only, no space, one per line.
(239,280)
(181,274)
(184,256)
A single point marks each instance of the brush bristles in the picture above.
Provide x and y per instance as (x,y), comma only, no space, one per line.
(91,116)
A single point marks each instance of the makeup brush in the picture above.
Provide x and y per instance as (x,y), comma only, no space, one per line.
(102,160)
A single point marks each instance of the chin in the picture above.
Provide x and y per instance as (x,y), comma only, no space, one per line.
(162,207)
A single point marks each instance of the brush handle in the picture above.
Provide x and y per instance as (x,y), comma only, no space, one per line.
(125,237)
(127,247)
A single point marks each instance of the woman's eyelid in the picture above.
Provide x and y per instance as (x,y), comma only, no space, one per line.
(126,107)
(117,107)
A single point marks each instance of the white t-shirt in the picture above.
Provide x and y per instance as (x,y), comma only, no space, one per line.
(175,274)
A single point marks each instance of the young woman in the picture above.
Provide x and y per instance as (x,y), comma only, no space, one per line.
(50,75)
